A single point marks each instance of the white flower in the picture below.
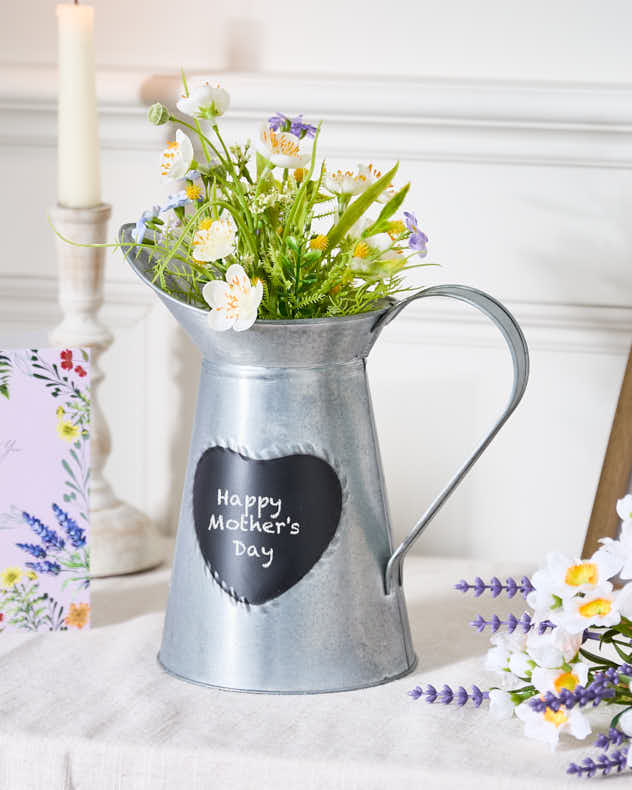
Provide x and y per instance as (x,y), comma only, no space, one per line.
(177,157)
(500,704)
(345,182)
(282,149)
(548,725)
(555,680)
(620,550)
(235,302)
(205,101)
(624,508)
(372,175)
(597,607)
(507,656)
(563,577)
(625,723)
(214,239)
(374,253)
(553,647)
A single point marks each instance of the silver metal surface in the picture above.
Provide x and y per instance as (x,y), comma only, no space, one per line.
(300,386)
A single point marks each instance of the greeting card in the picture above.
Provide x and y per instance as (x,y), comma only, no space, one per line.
(44,482)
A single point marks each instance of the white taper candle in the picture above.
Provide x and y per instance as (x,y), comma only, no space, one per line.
(78,171)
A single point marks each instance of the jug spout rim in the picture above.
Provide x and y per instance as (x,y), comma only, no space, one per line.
(125,237)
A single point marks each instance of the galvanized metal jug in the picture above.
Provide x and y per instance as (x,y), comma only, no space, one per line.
(285,579)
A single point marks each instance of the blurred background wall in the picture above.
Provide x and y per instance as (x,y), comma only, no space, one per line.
(514,123)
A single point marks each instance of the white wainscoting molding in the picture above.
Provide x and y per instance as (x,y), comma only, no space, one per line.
(574,124)
(32,303)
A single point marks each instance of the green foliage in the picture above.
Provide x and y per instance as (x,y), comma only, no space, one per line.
(5,375)
(313,246)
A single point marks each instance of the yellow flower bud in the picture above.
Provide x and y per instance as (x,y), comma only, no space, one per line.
(319,242)
(299,175)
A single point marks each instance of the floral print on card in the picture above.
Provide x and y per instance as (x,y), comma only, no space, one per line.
(44,489)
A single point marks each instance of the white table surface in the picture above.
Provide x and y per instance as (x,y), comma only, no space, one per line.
(93,711)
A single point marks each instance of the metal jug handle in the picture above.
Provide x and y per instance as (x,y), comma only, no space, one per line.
(517,344)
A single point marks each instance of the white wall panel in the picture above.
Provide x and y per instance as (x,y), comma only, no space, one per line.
(525,190)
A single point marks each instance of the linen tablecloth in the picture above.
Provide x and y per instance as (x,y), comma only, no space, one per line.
(93,711)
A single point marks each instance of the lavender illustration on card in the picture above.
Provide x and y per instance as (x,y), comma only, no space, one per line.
(44,489)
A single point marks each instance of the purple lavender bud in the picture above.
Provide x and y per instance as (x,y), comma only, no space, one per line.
(526,586)
(614,737)
(604,764)
(431,693)
(33,549)
(416,692)
(479,623)
(511,587)
(544,625)
(462,586)
(446,695)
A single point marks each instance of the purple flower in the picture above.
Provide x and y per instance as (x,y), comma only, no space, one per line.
(613,737)
(49,537)
(175,201)
(76,534)
(417,240)
(596,692)
(45,567)
(604,763)
(138,234)
(446,696)
(295,126)
(524,623)
(495,586)
(33,549)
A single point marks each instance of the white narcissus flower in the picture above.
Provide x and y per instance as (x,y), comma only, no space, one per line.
(177,157)
(554,680)
(597,607)
(364,254)
(234,303)
(204,101)
(563,578)
(620,550)
(214,239)
(624,508)
(625,722)
(547,725)
(500,705)
(498,657)
(282,149)
(554,647)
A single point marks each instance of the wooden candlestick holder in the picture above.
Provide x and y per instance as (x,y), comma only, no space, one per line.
(122,539)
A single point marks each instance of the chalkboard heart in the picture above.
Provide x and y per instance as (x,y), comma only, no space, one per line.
(263,524)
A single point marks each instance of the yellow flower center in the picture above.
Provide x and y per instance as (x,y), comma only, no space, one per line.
(319,242)
(395,228)
(205,224)
(361,250)
(584,573)
(565,681)
(193,191)
(598,607)
(557,718)
(281,143)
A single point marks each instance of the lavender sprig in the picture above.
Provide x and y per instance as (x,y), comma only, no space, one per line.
(33,549)
(596,692)
(606,764)
(53,568)
(614,737)
(524,623)
(76,534)
(496,587)
(447,696)
(49,537)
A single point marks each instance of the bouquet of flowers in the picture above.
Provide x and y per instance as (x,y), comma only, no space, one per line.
(573,651)
(269,233)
